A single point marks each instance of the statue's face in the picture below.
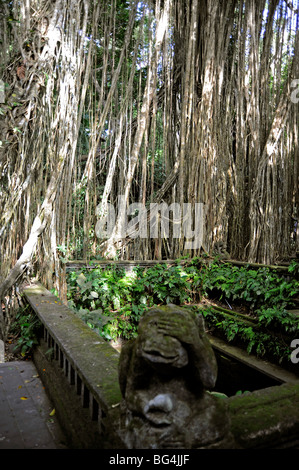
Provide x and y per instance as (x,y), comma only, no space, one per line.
(162,351)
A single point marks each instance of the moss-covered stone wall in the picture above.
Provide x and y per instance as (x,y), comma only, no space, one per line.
(81,373)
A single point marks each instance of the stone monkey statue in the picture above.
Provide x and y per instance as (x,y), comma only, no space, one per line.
(164,374)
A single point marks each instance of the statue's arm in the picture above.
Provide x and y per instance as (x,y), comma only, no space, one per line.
(124,365)
(133,378)
(203,361)
(193,337)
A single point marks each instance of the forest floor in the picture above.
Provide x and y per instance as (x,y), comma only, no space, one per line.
(12,352)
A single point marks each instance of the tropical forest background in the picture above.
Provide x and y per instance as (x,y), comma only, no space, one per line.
(158,101)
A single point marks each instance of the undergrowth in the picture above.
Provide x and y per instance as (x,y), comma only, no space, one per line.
(111,301)
(25,330)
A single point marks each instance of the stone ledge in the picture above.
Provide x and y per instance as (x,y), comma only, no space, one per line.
(73,337)
(80,430)
(86,361)
(267,418)
(272,371)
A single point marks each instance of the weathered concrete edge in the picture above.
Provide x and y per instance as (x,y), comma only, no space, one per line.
(79,429)
(98,366)
(271,370)
(267,418)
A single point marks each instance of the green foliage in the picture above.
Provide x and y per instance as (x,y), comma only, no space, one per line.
(258,341)
(294,267)
(267,295)
(167,285)
(103,299)
(25,327)
(123,297)
(278,319)
(111,301)
(255,288)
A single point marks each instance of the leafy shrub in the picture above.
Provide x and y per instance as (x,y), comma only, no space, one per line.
(25,328)
(112,301)
(256,340)
(294,267)
(167,284)
(254,287)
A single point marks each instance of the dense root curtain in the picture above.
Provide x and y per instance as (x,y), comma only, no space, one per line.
(183,102)
(46,75)
(221,102)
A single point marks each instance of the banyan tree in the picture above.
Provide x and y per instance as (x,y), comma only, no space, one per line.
(193,103)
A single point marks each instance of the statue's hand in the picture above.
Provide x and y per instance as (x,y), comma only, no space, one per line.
(183,331)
